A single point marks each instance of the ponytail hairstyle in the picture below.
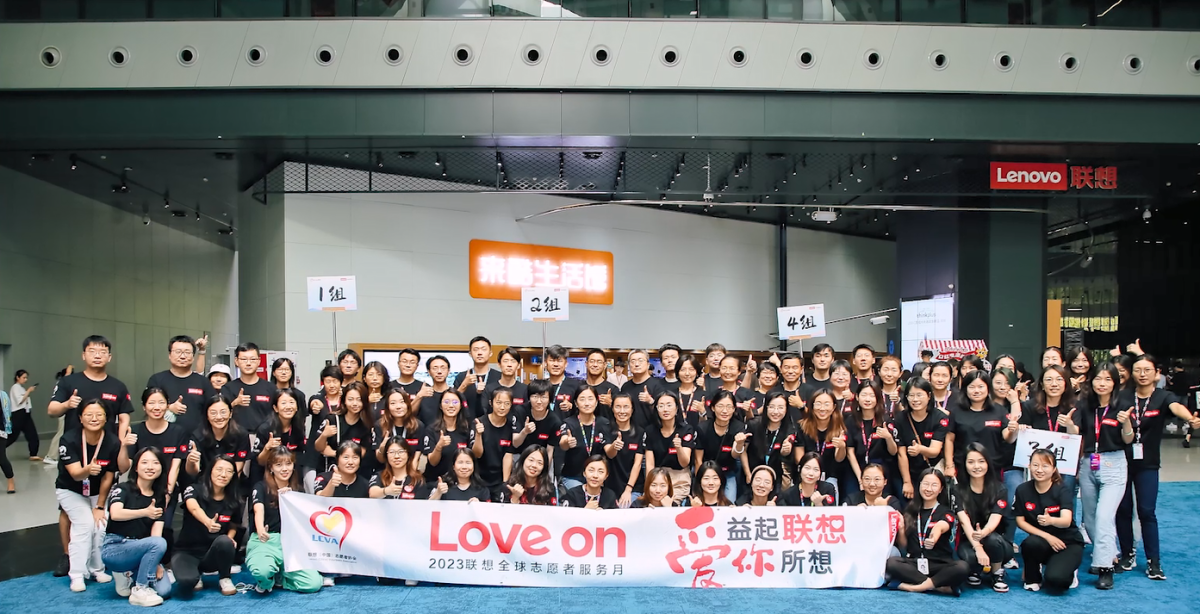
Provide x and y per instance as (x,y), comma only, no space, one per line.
(1047,456)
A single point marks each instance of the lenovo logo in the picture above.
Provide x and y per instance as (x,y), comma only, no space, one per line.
(1028,176)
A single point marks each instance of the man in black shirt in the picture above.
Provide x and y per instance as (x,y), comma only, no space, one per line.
(562,388)
(93,382)
(186,389)
(473,382)
(249,396)
(597,367)
(822,357)
(863,363)
(669,354)
(430,409)
(408,362)
(713,355)
(642,388)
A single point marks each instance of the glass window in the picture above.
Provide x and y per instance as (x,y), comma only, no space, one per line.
(183,9)
(866,10)
(1124,14)
(1010,12)
(931,11)
(599,8)
(650,9)
(253,9)
(115,9)
(1181,14)
(1070,13)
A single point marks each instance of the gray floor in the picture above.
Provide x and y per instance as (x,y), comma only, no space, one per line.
(34,504)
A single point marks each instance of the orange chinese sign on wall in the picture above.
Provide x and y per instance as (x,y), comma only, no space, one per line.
(499,270)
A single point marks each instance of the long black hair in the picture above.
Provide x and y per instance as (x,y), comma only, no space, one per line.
(159,485)
(203,486)
(275,425)
(205,432)
(979,507)
(543,494)
(462,424)
(758,427)
(913,510)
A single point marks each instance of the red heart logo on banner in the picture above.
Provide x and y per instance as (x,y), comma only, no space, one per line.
(335,523)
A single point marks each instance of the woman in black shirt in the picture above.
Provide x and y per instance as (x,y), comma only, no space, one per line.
(928,529)
(723,439)
(465,484)
(874,492)
(283,375)
(399,478)
(264,549)
(977,420)
(762,488)
(823,431)
(376,378)
(921,433)
(530,483)
(285,428)
(1052,407)
(982,504)
(87,461)
(218,437)
(771,440)
(872,427)
(592,494)
(168,437)
(343,480)
(810,490)
(669,443)
(350,421)
(1044,509)
(708,489)
(691,396)
(657,491)
(1103,468)
(398,421)
(625,453)
(134,541)
(206,541)
(582,436)
(450,431)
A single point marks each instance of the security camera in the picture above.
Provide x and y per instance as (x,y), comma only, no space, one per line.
(877,320)
(145,219)
(708,197)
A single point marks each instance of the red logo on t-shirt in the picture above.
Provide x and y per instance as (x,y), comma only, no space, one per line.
(356,440)
(928,435)
(262,399)
(462,446)
(1052,509)
(1002,504)
(169,450)
(1030,506)
(687,437)
(195,391)
(407,495)
(412,442)
(223,518)
(1110,422)
(670,450)
(102,463)
(949,518)
(112,397)
(505,442)
(726,449)
(1151,413)
(518,401)
(992,423)
(543,436)
(945,422)
(828,499)
(633,446)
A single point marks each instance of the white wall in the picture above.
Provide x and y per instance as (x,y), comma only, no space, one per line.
(685,279)
(851,275)
(260,271)
(71,267)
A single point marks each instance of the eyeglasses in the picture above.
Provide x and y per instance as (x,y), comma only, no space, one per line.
(1143,371)
(96,352)
(397,453)
(181,352)
(451,402)
(218,413)
(247,359)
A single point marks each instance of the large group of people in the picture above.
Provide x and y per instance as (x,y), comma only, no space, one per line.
(935,442)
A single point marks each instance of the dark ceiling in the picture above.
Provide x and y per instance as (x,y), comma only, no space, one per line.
(169,179)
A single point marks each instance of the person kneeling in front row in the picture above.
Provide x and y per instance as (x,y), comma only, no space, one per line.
(206,543)
(134,541)
(1044,508)
(264,550)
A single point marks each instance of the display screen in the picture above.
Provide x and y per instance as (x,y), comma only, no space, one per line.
(459,362)
(924,318)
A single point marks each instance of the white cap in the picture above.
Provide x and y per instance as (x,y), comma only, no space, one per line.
(219,368)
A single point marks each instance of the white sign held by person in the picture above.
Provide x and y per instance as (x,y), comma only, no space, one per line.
(1064,445)
(332,294)
(519,545)
(802,322)
(545,304)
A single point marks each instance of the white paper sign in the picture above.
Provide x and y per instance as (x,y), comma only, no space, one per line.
(332,294)
(1064,445)
(545,304)
(802,322)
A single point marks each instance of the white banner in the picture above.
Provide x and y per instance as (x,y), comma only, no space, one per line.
(514,545)
(1065,447)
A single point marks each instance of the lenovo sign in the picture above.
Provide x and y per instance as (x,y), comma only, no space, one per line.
(1029,176)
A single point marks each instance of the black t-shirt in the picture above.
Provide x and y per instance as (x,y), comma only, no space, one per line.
(622,465)
(1148,416)
(1030,504)
(360,432)
(823,446)
(576,497)
(917,532)
(589,440)
(1090,419)
(194,537)
(932,428)
(664,447)
(234,447)
(111,392)
(520,396)
(1042,421)
(870,447)
(454,493)
(408,488)
(172,442)
(857,384)
(360,488)
(194,389)
(73,449)
(417,438)
(985,427)
(430,408)
(254,415)
(794,498)
(547,431)
(262,495)
(811,385)
(860,498)
(457,442)
(689,410)
(412,388)
(980,508)
(497,442)
(740,395)
(768,452)
(720,447)
(293,439)
(643,413)
(475,400)
(605,387)
(566,390)
(131,497)
(311,458)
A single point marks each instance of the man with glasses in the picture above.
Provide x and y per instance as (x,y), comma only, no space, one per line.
(642,388)
(93,382)
(186,388)
(597,379)
(407,362)
(249,396)
(438,368)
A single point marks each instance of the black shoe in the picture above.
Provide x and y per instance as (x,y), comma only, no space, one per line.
(973,580)
(63,567)
(1095,571)
(1187,443)
(1154,571)
(1106,579)
(1126,563)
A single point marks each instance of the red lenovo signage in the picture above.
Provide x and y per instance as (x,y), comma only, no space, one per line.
(1029,176)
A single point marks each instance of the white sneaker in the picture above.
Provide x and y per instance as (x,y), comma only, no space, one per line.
(77,585)
(1075,582)
(1033,587)
(50,461)
(102,578)
(122,582)
(327,581)
(235,569)
(410,583)
(144,596)
(227,587)
(199,584)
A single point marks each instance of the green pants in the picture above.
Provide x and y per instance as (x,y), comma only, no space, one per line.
(265,562)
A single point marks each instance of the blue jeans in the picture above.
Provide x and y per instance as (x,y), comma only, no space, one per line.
(836,493)
(731,486)
(1101,492)
(141,556)
(1145,483)
(1012,479)
(570,483)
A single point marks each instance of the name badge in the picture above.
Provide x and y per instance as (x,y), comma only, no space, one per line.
(1138,452)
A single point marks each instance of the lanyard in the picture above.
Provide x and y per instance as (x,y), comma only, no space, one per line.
(1051,425)
(1139,411)
(867,439)
(1099,419)
(100,443)
(921,535)
(942,404)
(688,405)
(771,447)
(554,397)
(587,438)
